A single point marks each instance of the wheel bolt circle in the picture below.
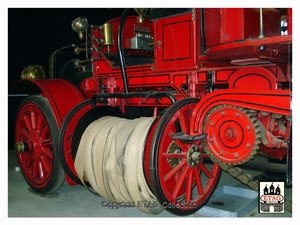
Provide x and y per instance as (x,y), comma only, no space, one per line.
(193,156)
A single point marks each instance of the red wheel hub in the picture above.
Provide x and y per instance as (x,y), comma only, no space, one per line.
(230,134)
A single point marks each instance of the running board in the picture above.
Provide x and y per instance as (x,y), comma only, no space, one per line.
(183,137)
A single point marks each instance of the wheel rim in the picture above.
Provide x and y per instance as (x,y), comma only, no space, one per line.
(66,138)
(33,130)
(230,134)
(72,128)
(185,177)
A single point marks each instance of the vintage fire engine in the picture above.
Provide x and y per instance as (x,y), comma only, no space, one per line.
(151,105)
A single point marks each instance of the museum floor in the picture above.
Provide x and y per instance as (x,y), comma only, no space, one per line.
(77,201)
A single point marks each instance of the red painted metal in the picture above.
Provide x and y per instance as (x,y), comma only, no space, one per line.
(250,48)
(61,94)
(273,101)
(230,134)
(225,62)
(235,24)
(177,37)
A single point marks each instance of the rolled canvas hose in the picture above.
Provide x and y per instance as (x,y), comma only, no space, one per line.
(110,158)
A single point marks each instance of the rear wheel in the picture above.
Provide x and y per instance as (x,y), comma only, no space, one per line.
(36,145)
(182,175)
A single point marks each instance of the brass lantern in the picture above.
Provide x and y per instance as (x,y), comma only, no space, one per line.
(33,72)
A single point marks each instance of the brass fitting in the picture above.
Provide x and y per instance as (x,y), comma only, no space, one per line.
(19,147)
(33,72)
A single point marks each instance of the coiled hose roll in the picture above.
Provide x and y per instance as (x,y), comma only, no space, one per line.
(110,158)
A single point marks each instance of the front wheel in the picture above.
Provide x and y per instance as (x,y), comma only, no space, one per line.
(36,137)
(182,175)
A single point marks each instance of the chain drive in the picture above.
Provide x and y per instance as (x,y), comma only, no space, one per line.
(233,168)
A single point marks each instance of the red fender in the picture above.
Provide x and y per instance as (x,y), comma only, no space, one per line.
(273,101)
(61,94)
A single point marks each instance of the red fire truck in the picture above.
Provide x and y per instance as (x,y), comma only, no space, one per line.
(151,105)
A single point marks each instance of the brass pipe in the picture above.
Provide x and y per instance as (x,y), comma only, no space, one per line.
(80,62)
(261,23)
(78,50)
(139,12)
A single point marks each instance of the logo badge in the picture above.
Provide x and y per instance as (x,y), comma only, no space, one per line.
(271,197)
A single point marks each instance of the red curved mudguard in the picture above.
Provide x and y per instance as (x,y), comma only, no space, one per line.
(61,94)
(273,101)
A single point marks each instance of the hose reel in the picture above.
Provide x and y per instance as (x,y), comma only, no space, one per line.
(110,158)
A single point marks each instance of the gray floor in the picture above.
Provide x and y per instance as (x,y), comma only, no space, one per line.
(76,201)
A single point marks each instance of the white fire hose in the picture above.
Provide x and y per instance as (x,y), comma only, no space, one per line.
(110,159)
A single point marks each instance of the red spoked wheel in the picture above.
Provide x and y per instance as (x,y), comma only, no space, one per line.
(182,175)
(72,129)
(232,134)
(36,145)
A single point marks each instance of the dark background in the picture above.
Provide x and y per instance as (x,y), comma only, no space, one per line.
(33,34)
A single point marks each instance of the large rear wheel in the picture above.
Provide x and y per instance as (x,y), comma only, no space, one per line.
(182,175)
(36,136)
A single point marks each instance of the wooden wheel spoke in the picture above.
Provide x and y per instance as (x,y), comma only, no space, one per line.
(25,133)
(40,169)
(28,123)
(189,186)
(183,123)
(174,155)
(47,152)
(27,160)
(180,182)
(45,134)
(204,156)
(46,164)
(33,119)
(198,182)
(206,171)
(175,170)
(182,146)
(40,123)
